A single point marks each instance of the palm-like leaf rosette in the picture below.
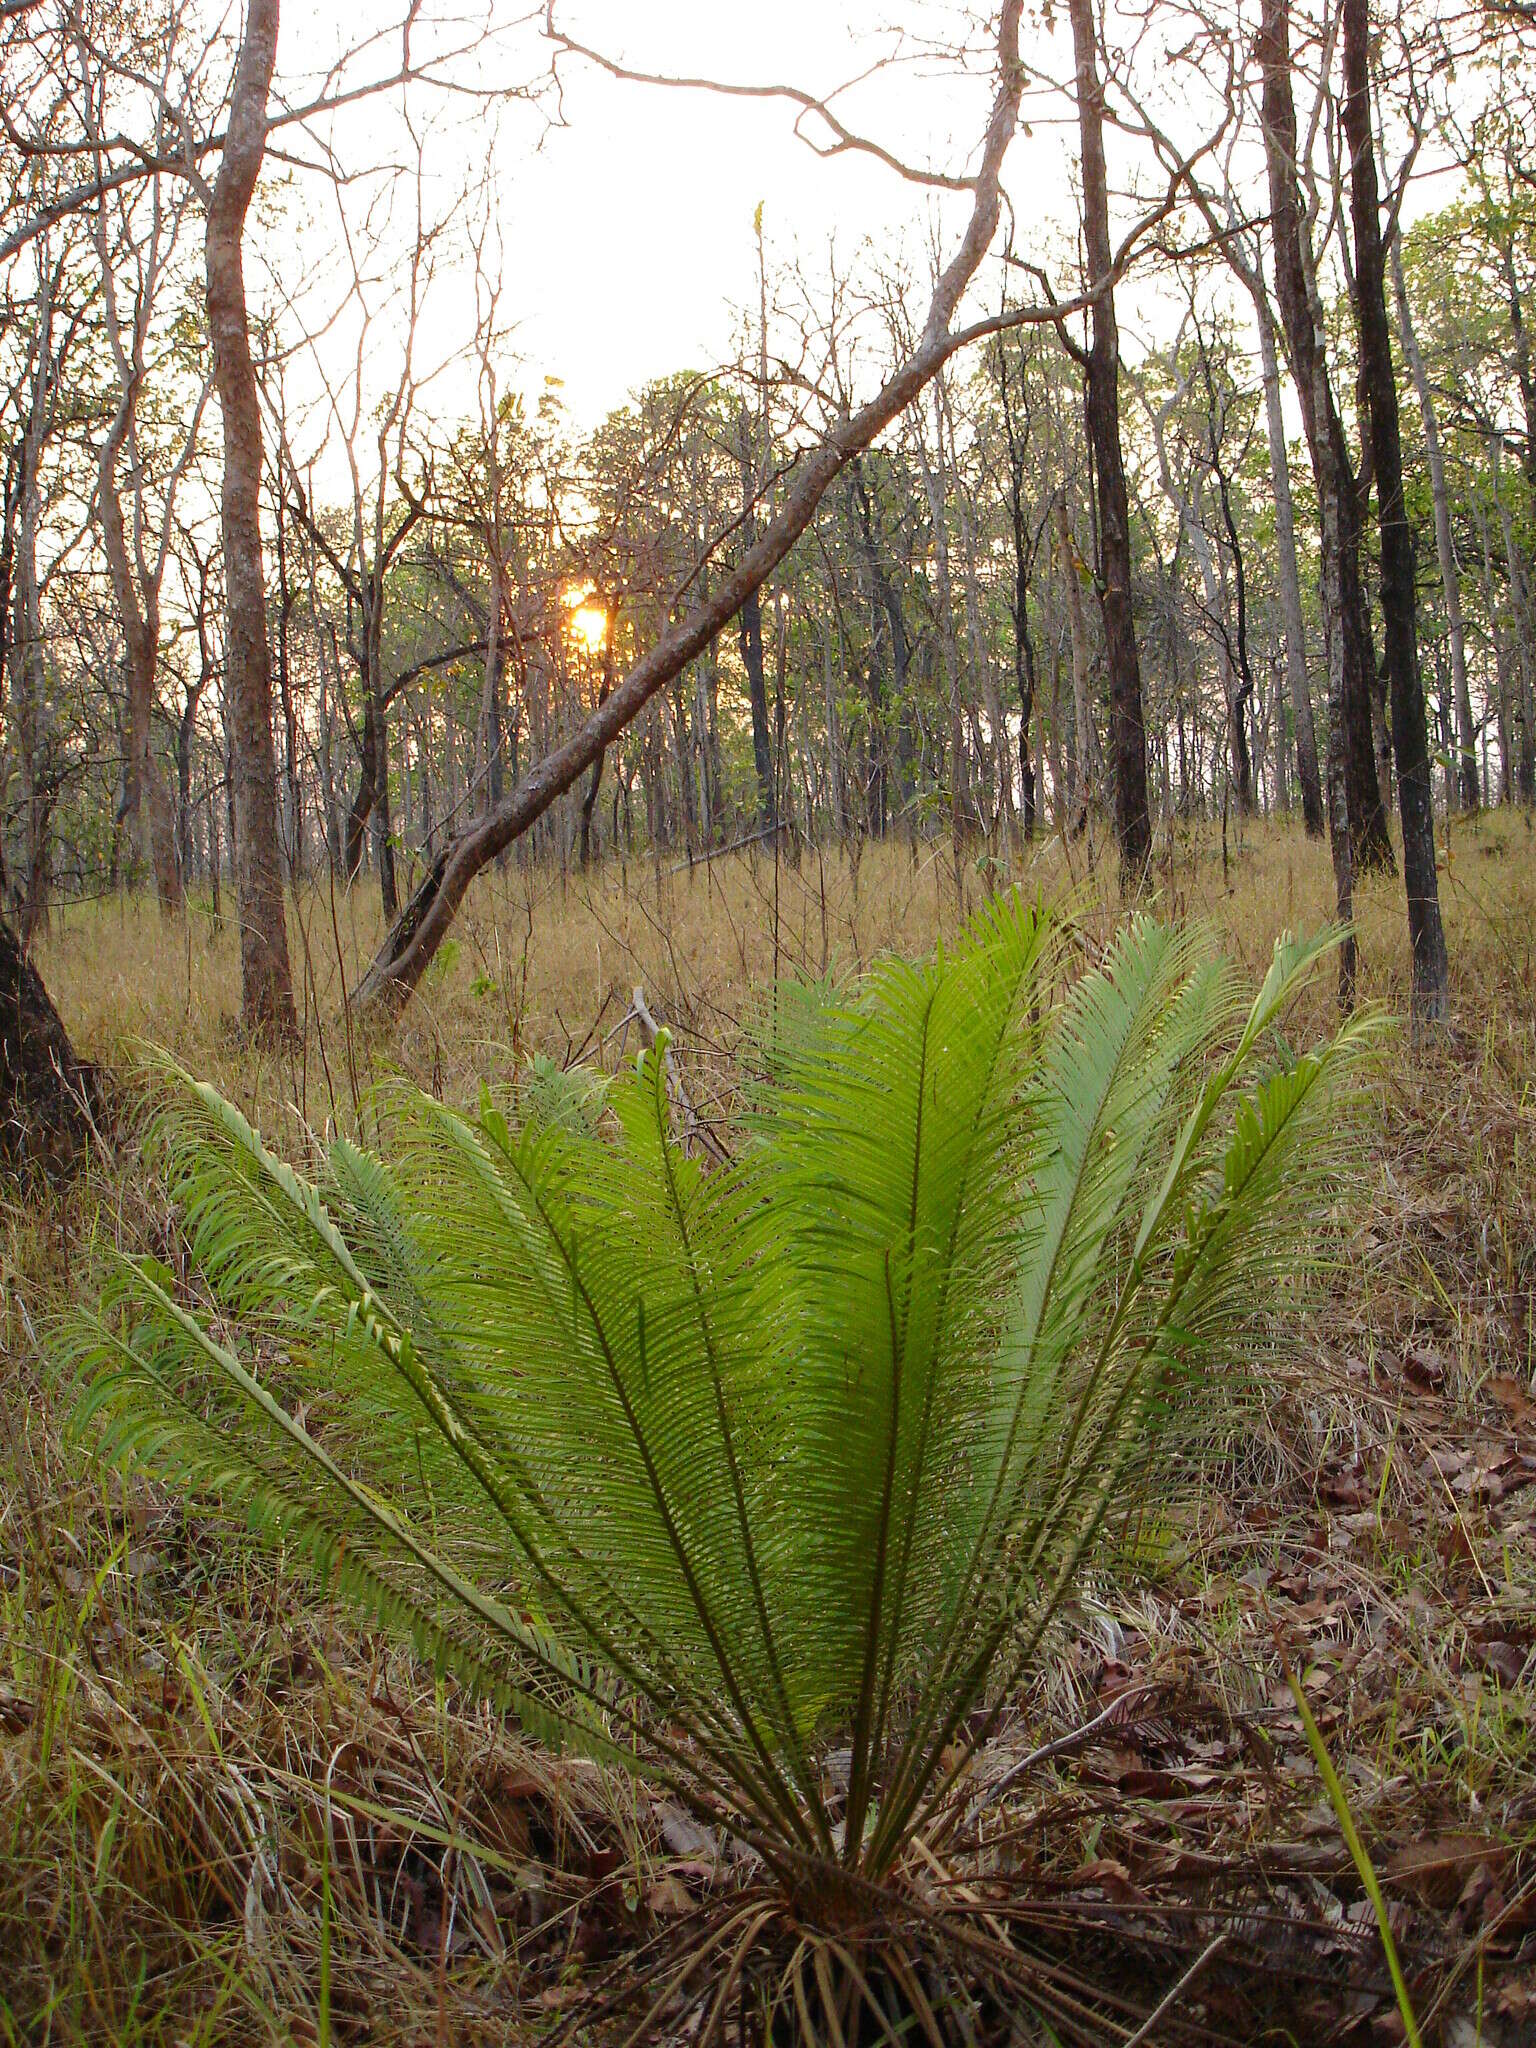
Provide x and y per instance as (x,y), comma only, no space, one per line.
(710,1472)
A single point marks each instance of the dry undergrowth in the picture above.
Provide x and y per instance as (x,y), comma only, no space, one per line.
(226,1813)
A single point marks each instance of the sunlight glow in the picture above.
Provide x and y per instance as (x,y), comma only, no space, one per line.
(588,620)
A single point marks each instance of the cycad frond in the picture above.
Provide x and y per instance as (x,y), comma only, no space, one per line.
(712,1472)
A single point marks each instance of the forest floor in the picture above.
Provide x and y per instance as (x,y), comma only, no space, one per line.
(227,1812)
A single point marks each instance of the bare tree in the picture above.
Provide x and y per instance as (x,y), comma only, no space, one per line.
(1354,798)
(266,977)
(1399,595)
(1302,313)
(1445,546)
(138,554)
(1128,738)
(37,402)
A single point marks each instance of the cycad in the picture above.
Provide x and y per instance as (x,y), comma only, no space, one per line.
(716,1472)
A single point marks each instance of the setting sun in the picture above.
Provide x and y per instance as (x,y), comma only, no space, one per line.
(589,617)
(589,623)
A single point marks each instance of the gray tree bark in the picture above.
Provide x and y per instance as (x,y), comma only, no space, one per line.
(1128,738)
(266,977)
(1289,576)
(1399,593)
(1445,546)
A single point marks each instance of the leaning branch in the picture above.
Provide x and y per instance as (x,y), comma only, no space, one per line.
(844,140)
(417,933)
(408,948)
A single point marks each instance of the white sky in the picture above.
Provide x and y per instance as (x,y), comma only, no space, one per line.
(628,231)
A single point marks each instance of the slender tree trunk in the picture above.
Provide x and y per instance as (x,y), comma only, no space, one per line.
(493,699)
(1301,310)
(186,732)
(1304,334)
(1083,753)
(1524,716)
(1278,705)
(29,690)
(1445,546)
(1525,371)
(1023,644)
(589,801)
(1290,578)
(293,805)
(147,806)
(1024,683)
(1240,705)
(381,823)
(1522,721)
(997,754)
(1128,739)
(998,749)
(936,485)
(1399,595)
(750,630)
(266,978)
(361,808)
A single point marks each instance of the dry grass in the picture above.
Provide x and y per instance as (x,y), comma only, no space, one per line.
(544,963)
(226,1813)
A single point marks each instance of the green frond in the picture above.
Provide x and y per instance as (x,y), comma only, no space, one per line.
(709,1471)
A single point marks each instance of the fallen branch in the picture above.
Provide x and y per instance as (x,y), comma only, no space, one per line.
(695,1130)
(711,853)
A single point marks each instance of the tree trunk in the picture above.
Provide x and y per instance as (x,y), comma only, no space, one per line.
(29,687)
(1399,596)
(750,630)
(1522,720)
(935,483)
(48,1094)
(1083,753)
(1348,712)
(997,754)
(381,823)
(1128,738)
(186,732)
(1301,311)
(1240,702)
(589,801)
(266,978)
(361,807)
(1023,644)
(1501,701)
(147,805)
(1465,782)
(1290,577)
(493,699)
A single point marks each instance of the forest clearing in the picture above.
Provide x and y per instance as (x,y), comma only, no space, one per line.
(768,1023)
